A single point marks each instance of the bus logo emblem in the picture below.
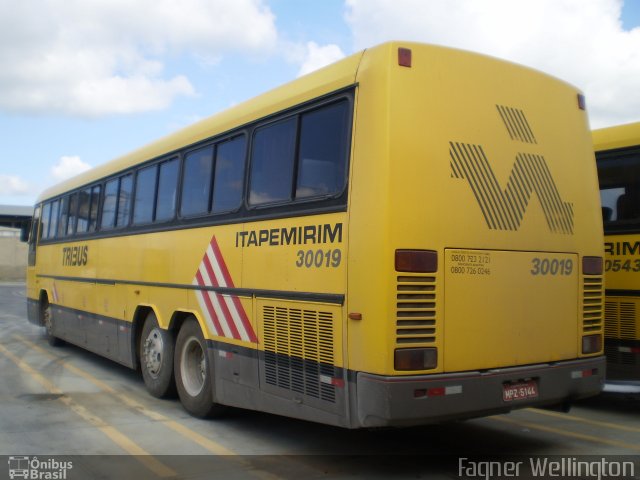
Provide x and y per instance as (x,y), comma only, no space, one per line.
(504,208)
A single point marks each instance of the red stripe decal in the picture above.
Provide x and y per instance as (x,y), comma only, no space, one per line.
(228,319)
(229,281)
(209,305)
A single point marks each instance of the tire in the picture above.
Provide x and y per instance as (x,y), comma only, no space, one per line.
(156,358)
(47,321)
(193,372)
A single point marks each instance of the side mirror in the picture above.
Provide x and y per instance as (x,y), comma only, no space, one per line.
(24,231)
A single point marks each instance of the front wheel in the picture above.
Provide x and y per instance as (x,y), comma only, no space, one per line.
(193,372)
(47,321)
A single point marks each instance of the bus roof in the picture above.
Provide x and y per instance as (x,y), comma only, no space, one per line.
(331,78)
(338,75)
(619,136)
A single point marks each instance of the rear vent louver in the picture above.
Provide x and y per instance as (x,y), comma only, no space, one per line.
(298,353)
(620,320)
(592,311)
(415,310)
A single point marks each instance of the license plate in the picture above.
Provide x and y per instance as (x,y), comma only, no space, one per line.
(519,391)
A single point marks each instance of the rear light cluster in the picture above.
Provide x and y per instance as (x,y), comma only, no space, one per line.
(592,265)
(416,358)
(416,261)
(591,343)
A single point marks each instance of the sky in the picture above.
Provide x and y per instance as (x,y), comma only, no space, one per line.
(85,81)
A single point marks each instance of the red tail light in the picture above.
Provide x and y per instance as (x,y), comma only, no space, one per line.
(592,265)
(591,343)
(415,358)
(416,261)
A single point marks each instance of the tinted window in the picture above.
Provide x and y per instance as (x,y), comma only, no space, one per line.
(196,183)
(272,163)
(93,213)
(145,195)
(44,228)
(619,177)
(55,210)
(64,215)
(109,204)
(84,205)
(229,175)
(167,186)
(73,213)
(323,151)
(124,200)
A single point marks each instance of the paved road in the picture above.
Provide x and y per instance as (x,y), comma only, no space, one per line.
(64,401)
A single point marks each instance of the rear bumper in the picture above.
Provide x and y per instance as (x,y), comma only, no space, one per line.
(399,401)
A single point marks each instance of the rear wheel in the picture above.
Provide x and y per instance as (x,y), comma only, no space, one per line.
(47,320)
(193,372)
(156,358)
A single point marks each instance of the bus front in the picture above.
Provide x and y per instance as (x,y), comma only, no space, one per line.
(618,157)
(479,195)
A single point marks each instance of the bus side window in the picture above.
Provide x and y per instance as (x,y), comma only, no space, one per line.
(93,212)
(323,151)
(196,182)
(64,215)
(272,162)
(229,175)
(124,200)
(167,188)
(145,195)
(55,210)
(44,229)
(109,204)
(84,207)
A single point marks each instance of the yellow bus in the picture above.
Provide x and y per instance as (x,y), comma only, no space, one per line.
(407,236)
(618,158)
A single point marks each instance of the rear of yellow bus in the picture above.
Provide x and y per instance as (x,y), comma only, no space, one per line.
(618,158)
(478,193)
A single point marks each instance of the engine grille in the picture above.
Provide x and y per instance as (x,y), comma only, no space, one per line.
(620,320)
(415,310)
(299,353)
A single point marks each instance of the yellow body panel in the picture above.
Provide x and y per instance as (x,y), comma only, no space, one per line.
(406,196)
(515,309)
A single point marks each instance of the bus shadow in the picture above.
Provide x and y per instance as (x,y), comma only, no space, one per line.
(622,403)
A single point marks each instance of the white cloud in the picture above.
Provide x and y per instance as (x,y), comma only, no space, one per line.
(581,42)
(316,57)
(108,56)
(11,185)
(67,167)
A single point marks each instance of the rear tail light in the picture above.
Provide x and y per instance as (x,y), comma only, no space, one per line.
(592,265)
(591,344)
(416,261)
(416,358)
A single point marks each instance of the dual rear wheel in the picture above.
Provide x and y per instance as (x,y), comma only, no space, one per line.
(181,364)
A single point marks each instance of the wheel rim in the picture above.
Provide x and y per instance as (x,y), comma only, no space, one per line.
(153,352)
(193,367)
